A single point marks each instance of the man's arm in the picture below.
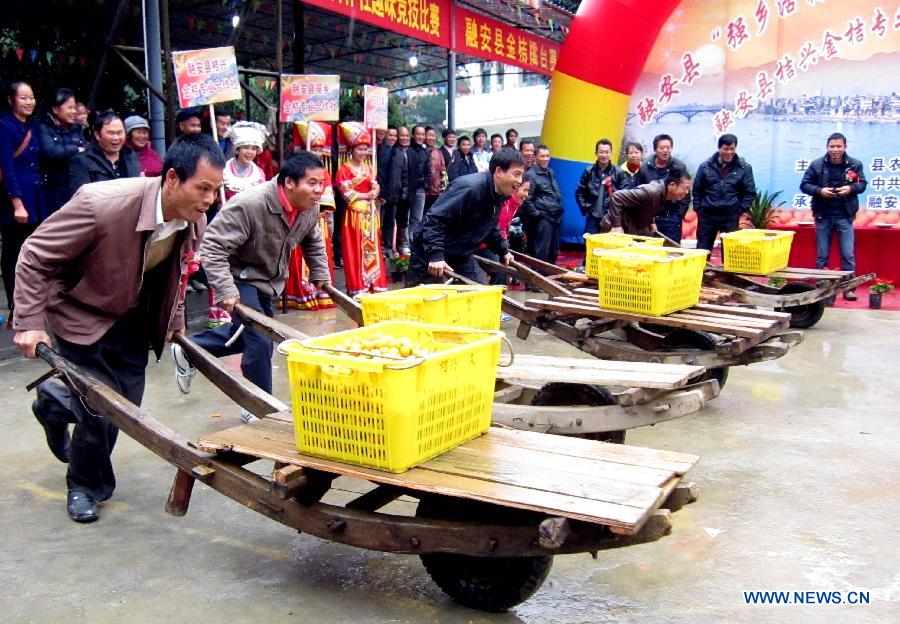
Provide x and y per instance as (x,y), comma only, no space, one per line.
(53,247)
(228,231)
(448,207)
(809,182)
(699,189)
(583,196)
(624,201)
(749,191)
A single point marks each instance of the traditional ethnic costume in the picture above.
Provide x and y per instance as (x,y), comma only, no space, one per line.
(299,291)
(364,268)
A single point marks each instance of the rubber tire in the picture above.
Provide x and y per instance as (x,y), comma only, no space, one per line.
(802,316)
(561,394)
(493,584)
(691,339)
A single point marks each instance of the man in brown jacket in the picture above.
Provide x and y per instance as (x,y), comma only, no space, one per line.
(103,276)
(246,252)
(633,211)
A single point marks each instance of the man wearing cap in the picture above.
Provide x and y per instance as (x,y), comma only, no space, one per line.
(137,138)
(188,121)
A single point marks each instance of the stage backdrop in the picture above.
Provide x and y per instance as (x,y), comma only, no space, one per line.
(781,75)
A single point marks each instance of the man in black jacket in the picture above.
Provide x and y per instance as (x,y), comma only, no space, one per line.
(409,174)
(449,146)
(835,182)
(597,185)
(542,210)
(657,167)
(723,190)
(462,218)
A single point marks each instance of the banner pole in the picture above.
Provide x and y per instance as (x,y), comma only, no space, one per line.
(215,134)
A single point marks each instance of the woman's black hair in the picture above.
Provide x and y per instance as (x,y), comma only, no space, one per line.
(11,89)
(61,96)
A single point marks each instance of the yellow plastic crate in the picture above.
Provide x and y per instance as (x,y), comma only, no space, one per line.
(388,414)
(477,307)
(611,240)
(651,280)
(757,252)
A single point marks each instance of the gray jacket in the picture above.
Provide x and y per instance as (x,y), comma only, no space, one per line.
(250,241)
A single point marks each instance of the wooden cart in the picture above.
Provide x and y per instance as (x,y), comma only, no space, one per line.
(491,513)
(709,334)
(567,396)
(803,296)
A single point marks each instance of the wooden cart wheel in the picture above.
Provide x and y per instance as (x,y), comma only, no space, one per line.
(691,339)
(806,315)
(561,393)
(492,584)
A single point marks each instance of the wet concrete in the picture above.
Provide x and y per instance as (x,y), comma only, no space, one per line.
(799,473)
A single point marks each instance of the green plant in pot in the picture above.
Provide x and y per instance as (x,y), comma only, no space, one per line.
(763,209)
(877,290)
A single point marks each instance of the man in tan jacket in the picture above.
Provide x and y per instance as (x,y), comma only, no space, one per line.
(103,276)
(634,211)
(246,253)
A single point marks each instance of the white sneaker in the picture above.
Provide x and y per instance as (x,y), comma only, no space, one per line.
(247,417)
(184,370)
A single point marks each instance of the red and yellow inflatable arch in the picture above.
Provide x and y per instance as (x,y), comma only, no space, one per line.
(599,65)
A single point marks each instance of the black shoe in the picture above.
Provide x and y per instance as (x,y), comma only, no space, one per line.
(51,396)
(81,507)
(850,296)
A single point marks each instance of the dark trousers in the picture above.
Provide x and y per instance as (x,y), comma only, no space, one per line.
(592,224)
(495,278)
(404,206)
(543,239)
(826,228)
(429,202)
(119,360)
(256,361)
(669,224)
(709,226)
(13,236)
(388,221)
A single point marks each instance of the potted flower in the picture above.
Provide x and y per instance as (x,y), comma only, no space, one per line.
(399,264)
(877,290)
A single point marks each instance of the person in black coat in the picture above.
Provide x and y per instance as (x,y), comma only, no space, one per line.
(107,158)
(658,167)
(835,182)
(597,185)
(60,140)
(463,163)
(542,210)
(462,218)
(723,190)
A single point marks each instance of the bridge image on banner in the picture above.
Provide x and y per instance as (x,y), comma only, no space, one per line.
(780,76)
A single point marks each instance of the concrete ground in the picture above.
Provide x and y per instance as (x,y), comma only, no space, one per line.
(799,473)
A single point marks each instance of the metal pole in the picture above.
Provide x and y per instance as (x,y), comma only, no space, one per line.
(170,70)
(299,38)
(279,67)
(451,71)
(153,63)
(451,89)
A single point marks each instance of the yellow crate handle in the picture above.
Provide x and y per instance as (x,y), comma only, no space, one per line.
(408,362)
(512,355)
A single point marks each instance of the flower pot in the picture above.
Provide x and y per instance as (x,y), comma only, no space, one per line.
(397,276)
(875,301)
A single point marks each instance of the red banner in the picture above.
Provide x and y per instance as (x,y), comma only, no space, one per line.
(425,20)
(477,35)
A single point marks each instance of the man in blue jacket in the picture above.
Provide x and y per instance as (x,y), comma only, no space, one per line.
(462,218)
(723,190)
(835,182)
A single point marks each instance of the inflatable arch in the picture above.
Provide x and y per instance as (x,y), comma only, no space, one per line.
(599,65)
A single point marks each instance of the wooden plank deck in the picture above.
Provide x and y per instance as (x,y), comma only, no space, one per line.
(600,372)
(615,485)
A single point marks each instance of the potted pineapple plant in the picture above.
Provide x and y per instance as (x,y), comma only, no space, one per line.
(762,212)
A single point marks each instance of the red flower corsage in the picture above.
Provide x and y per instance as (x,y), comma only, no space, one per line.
(852,176)
(190,264)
